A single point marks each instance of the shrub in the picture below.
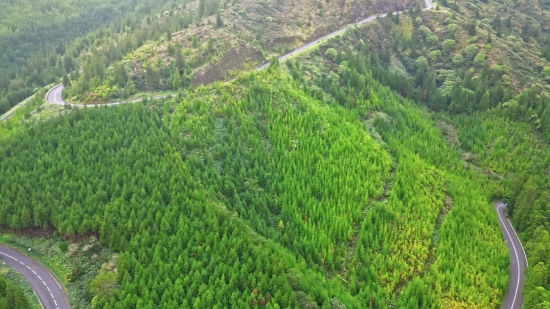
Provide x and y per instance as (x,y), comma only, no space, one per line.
(479,59)
(425,30)
(458,59)
(448,45)
(471,51)
(421,62)
(63,246)
(331,53)
(435,54)
(432,39)
(452,28)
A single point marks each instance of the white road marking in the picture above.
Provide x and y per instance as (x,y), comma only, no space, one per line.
(515,252)
(34,272)
(57,282)
(524,254)
(38,299)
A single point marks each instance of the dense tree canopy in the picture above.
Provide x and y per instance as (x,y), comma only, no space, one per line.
(11,296)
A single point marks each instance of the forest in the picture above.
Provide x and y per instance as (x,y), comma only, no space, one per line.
(39,52)
(340,178)
(235,174)
(506,137)
(11,296)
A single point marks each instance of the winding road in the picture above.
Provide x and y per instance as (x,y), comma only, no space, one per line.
(49,291)
(518,261)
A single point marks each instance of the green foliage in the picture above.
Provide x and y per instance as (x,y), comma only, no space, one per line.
(103,284)
(422,62)
(479,59)
(471,50)
(448,45)
(332,53)
(451,28)
(40,40)
(11,296)
(524,156)
(435,54)
(63,246)
(395,260)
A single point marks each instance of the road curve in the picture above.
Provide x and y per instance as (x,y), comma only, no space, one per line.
(518,261)
(55,96)
(48,290)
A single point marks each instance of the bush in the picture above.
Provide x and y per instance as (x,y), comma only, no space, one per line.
(479,59)
(421,62)
(4,106)
(452,28)
(448,45)
(425,30)
(432,39)
(331,53)
(435,54)
(63,246)
(458,59)
(471,51)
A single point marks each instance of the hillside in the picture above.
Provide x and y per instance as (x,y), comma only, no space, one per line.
(210,47)
(500,125)
(251,166)
(361,173)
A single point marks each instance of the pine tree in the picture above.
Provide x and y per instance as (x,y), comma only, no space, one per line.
(176,79)
(485,103)
(66,81)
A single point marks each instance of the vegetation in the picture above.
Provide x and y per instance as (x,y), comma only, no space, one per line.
(11,296)
(248,168)
(76,267)
(345,177)
(502,130)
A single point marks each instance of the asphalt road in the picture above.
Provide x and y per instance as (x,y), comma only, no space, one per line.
(48,290)
(54,96)
(518,261)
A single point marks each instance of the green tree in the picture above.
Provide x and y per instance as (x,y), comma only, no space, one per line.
(176,79)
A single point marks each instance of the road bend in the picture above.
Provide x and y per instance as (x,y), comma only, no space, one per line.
(518,260)
(47,288)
